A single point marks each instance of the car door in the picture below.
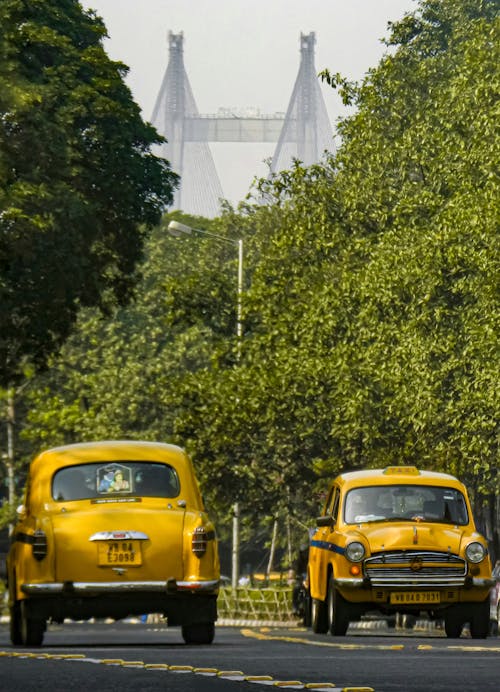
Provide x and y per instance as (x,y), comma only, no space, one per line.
(324,545)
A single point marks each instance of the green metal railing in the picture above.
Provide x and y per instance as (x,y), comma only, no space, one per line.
(256,604)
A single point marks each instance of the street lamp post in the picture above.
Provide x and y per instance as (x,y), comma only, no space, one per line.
(178,229)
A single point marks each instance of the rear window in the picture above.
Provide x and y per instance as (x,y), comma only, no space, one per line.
(107,479)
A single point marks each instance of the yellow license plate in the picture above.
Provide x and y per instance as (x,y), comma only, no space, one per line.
(415,597)
(116,553)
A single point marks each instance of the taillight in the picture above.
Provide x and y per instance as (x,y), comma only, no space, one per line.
(199,541)
(39,545)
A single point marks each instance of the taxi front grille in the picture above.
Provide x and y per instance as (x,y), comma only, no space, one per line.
(415,568)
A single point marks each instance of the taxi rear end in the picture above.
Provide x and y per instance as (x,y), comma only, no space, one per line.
(113,529)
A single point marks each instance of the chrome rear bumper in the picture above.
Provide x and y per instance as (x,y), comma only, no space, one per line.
(169,587)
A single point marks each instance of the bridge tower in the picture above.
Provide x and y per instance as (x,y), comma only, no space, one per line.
(304,133)
(175,109)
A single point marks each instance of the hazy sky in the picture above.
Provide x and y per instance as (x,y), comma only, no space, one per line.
(244,53)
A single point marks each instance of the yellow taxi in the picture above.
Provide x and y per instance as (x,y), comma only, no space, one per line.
(112,529)
(398,540)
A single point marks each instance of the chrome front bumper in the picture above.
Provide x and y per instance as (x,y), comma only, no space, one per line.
(170,587)
(465,582)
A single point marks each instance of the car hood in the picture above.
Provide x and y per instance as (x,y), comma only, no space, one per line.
(414,536)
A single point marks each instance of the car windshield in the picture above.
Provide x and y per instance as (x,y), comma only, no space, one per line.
(412,502)
(123,478)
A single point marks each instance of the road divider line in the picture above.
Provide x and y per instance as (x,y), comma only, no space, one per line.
(237,675)
(205,671)
(312,642)
(475,649)
(181,669)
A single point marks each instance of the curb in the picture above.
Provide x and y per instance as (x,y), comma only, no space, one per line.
(153,618)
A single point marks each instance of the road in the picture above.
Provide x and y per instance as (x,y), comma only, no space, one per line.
(151,657)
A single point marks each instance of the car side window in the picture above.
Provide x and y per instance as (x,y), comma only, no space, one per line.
(332,504)
(328,502)
(335,504)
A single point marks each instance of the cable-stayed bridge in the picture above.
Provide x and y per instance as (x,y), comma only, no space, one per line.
(303,132)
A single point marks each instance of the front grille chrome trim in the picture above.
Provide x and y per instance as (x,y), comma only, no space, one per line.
(410,583)
(414,568)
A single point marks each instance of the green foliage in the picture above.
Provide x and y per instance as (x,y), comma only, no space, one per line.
(78,180)
(370,305)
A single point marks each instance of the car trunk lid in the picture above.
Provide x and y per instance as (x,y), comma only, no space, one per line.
(95,543)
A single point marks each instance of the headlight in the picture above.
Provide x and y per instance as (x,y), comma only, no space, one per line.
(355,551)
(475,552)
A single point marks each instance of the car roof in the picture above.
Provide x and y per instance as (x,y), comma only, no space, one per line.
(51,460)
(88,450)
(408,475)
(109,450)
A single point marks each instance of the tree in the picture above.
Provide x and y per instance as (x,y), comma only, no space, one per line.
(79,184)
(372,316)
(370,304)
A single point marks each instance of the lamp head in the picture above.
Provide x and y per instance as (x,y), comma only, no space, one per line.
(178,229)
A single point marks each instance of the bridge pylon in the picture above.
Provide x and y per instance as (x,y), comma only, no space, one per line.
(304,133)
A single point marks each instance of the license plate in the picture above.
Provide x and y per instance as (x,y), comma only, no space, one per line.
(409,597)
(114,553)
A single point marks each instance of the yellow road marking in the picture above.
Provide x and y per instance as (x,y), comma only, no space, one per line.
(495,649)
(288,683)
(228,674)
(181,669)
(310,642)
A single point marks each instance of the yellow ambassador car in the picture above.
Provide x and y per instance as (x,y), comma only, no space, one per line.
(112,529)
(398,540)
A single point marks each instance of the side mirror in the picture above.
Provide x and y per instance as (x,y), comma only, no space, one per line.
(326,520)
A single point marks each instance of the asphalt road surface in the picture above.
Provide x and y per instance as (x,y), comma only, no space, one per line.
(150,657)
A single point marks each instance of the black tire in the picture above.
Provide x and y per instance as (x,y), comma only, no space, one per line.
(32,627)
(480,620)
(453,621)
(319,616)
(199,633)
(15,624)
(338,611)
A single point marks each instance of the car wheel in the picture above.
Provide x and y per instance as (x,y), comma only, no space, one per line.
(480,620)
(199,633)
(338,611)
(32,628)
(15,624)
(319,616)
(453,621)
